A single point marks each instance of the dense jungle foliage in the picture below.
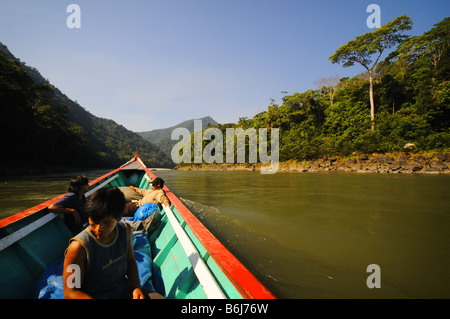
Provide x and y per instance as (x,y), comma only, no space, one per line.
(401,100)
(411,93)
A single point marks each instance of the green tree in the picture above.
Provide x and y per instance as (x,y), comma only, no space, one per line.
(428,60)
(367,49)
(431,45)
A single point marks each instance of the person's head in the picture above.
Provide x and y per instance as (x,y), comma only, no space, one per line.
(158,183)
(105,202)
(78,183)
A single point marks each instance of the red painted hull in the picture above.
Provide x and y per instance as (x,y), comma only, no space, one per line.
(244,281)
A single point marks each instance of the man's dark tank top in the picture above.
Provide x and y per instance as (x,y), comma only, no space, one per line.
(106,264)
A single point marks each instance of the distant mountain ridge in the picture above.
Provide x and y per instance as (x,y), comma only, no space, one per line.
(162,137)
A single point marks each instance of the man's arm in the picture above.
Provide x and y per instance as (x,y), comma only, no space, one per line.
(62,211)
(75,255)
(141,191)
(162,198)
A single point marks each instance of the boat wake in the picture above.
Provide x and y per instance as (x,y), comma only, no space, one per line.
(208,214)
(229,230)
(234,234)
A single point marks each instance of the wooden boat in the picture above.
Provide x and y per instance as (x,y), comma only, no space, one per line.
(186,261)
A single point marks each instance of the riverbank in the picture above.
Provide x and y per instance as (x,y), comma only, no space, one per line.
(393,163)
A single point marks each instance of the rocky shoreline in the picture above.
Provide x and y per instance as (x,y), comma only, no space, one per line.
(391,163)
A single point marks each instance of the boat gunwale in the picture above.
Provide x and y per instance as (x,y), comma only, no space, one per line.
(40,207)
(243,280)
(28,212)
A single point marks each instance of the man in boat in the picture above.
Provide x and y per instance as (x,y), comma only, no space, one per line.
(71,207)
(100,262)
(154,195)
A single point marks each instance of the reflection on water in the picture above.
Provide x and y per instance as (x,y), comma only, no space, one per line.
(309,235)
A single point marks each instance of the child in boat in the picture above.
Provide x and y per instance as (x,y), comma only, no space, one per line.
(154,195)
(102,254)
(71,207)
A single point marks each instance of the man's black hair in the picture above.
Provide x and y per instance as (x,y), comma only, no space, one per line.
(159,182)
(76,182)
(105,202)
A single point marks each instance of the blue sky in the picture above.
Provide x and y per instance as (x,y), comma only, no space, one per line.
(150,64)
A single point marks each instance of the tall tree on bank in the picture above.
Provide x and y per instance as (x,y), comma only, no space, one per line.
(367,49)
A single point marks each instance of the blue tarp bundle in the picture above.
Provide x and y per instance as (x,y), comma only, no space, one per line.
(50,285)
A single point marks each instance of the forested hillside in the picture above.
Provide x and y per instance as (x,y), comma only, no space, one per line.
(43,128)
(403,99)
(411,98)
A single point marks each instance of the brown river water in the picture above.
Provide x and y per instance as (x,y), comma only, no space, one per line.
(308,235)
